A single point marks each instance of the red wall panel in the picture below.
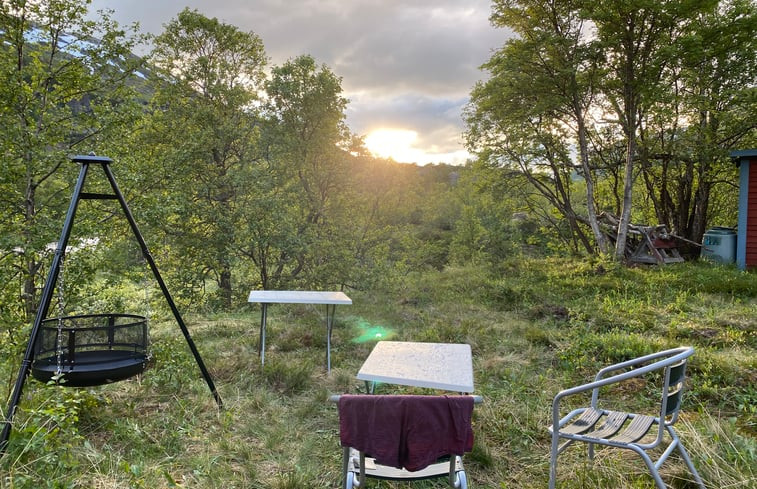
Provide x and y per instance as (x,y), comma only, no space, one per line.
(751,226)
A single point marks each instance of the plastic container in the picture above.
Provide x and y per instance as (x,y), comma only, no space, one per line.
(719,245)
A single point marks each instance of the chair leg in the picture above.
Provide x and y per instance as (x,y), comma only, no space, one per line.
(457,477)
(651,466)
(685,456)
(553,459)
(345,459)
(349,480)
(690,464)
(361,478)
(462,479)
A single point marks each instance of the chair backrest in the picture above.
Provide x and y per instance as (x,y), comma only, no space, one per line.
(671,364)
(673,387)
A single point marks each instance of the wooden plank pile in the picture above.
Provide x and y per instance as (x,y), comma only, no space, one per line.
(654,245)
(645,244)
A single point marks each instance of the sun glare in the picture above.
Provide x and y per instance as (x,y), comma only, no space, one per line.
(396,144)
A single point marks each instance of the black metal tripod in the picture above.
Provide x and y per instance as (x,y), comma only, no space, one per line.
(86,161)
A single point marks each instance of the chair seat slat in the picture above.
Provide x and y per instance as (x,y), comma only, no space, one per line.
(612,425)
(378,471)
(583,423)
(636,430)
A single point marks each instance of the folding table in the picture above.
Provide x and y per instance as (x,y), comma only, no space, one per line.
(445,366)
(329,299)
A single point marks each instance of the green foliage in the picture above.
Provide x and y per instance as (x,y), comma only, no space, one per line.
(172,363)
(50,426)
(506,296)
(204,130)
(59,95)
(586,350)
(579,117)
(278,429)
(287,377)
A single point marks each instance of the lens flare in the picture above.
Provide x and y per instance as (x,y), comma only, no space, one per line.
(371,332)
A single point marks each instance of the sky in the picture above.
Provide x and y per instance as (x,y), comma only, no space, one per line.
(407,66)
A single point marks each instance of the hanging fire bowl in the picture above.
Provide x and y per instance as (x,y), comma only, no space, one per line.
(91,349)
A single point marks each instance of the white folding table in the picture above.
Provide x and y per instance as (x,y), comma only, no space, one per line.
(329,299)
(445,366)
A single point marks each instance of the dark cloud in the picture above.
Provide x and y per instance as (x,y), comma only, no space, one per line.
(407,64)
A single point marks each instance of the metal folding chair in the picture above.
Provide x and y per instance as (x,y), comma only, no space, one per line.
(357,466)
(638,432)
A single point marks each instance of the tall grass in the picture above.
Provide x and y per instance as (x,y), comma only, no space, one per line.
(535,326)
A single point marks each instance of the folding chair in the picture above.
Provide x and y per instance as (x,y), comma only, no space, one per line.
(595,425)
(368,421)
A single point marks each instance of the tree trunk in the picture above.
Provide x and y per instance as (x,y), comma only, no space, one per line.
(31,264)
(625,216)
(583,148)
(629,122)
(224,283)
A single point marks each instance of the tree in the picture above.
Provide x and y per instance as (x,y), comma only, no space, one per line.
(553,57)
(634,37)
(613,91)
(63,88)
(542,86)
(305,150)
(205,129)
(708,112)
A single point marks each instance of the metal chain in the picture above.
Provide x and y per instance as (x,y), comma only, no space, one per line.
(148,312)
(61,311)
(146,286)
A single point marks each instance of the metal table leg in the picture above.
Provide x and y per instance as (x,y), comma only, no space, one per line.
(330,308)
(261,344)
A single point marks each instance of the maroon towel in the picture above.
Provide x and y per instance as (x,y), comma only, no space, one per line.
(406,431)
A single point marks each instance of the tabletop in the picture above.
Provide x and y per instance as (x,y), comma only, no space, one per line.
(298,297)
(446,366)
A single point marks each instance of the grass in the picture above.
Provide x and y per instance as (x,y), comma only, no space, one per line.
(535,327)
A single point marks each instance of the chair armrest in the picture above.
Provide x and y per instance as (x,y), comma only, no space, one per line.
(591,386)
(476,399)
(670,356)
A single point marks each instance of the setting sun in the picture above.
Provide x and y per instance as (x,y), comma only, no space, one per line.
(396,144)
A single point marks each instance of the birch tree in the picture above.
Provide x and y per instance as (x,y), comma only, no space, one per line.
(634,37)
(543,83)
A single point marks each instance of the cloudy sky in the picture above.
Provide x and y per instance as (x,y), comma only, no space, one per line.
(407,66)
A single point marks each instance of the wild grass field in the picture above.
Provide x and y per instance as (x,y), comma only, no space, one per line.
(535,327)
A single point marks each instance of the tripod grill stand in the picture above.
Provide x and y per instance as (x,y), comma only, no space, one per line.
(101,374)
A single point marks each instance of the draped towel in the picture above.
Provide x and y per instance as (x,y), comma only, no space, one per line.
(406,431)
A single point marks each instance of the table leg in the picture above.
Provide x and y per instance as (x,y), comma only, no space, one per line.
(330,309)
(261,344)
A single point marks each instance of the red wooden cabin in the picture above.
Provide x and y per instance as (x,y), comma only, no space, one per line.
(746,242)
